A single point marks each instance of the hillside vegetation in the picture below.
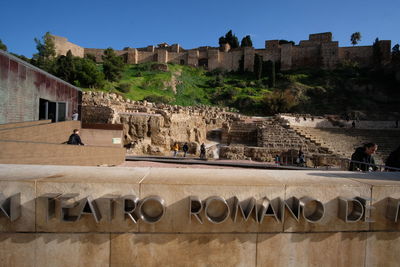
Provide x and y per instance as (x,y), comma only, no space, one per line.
(348,89)
(344,90)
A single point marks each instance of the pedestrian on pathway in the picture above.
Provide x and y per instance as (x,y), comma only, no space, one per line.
(202,151)
(175,149)
(185,149)
(277,160)
(301,160)
(75,115)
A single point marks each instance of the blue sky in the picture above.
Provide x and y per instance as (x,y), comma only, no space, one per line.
(117,24)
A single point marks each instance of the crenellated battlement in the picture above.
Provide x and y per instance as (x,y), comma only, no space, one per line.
(319,51)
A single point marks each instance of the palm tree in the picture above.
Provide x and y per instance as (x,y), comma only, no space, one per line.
(355,38)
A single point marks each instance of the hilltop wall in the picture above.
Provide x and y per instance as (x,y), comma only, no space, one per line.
(319,51)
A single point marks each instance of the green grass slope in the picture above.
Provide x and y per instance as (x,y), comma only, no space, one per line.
(339,91)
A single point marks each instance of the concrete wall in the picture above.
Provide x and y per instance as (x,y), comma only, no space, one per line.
(48,133)
(102,135)
(21,152)
(22,124)
(181,240)
(22,85)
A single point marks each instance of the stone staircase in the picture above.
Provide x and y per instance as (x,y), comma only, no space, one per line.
(241,132)
(343,141)
(273,134)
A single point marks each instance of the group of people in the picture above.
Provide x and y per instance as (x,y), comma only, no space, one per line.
(185,149)
(363,160)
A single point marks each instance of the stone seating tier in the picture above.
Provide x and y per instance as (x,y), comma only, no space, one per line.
(344,141)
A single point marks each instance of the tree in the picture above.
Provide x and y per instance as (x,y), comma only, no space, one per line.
(113,65)
(279,101)
(355,38)
(87,74)
(396,54)
(246,42)
(230,39)
(3,46)
(65,67)
(46,54)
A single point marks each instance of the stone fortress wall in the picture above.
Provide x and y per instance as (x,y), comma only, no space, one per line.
(318,51)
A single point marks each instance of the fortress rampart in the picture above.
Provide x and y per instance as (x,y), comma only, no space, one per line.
(319,51)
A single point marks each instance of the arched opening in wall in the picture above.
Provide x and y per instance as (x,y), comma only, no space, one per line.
(182,62)
(155,57)
(203,62)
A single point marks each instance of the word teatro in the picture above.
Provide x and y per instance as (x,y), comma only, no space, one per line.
(70,208)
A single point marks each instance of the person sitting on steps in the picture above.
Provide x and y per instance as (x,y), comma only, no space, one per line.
(75,139)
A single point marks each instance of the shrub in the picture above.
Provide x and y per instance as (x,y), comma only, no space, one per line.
(159,99)
(124,87)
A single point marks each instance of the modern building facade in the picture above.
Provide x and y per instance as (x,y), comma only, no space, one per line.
(28,93)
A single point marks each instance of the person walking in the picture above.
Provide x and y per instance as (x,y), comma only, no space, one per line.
(277,160)
(75,139)
(202,151)
(185,149)
(176,149)
(75,115)
(301,160)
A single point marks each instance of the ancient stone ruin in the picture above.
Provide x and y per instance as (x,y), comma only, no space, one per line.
(151,128)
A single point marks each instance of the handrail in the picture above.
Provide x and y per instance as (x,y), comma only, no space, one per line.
(379,166)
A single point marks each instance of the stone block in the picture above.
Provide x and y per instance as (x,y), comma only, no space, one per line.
(383,249)
(311,249)
(72,249)
(176,185)
(26,221)
(17,249)
(183,250)
(325,187)
(12,183)
(328,195)
(380,198)
(98,183)
(384,186)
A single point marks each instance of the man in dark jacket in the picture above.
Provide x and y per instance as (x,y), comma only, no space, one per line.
(364,154)
(185,149)
(75,139)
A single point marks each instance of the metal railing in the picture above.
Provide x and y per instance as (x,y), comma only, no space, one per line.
(342,163)
(374,167)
